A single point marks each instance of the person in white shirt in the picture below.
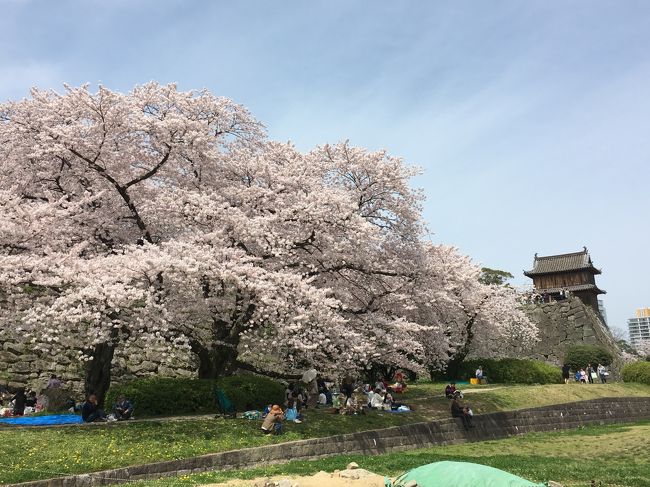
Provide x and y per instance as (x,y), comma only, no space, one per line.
(377,400)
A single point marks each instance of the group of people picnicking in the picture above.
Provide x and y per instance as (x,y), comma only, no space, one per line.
(349,398)
(92,413)
(23,402)
(588,374)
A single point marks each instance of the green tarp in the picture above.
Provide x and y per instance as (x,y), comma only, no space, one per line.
(460,474)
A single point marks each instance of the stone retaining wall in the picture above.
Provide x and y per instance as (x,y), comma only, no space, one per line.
(419,435)
(561,324)
(20,366)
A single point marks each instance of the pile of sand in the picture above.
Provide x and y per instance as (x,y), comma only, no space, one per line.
(353,476)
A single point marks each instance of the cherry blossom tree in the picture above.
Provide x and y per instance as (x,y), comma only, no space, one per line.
(166,219)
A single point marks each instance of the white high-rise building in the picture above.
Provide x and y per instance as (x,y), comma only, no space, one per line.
(603,311)
(639,326)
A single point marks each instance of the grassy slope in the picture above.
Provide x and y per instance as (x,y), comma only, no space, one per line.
(613,455)
(28,454)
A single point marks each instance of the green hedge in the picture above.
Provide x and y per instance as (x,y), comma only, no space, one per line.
(636,372)
(170,396)
(578,356)
(511,371)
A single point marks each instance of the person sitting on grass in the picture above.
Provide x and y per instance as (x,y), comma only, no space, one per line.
(324,390)
(123,409)
(450,390)
(391,405)
(400,382)
(272,423)
(31,400)
(90,411)
(458,410)
(480,375)
(376,399)
(293,409)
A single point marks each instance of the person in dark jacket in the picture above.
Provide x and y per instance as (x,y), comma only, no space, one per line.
(450,390)
(90,411)
(590,373)
(566,373)
(347,387)
(19,402)
(123,409)
(460,411)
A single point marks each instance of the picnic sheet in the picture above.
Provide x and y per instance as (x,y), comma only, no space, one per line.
(50,419)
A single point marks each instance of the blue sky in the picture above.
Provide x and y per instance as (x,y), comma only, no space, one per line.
(530,120)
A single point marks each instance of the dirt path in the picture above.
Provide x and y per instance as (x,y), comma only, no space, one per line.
(474,391)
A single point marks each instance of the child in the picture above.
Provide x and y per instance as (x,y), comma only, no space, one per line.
(293,409)
(273,421)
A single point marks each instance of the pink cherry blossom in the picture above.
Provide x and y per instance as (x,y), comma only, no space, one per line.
(167,220)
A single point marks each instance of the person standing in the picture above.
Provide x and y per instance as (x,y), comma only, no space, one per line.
(53,383)
(19,400)
(590,373)
(566,373)
(602,371)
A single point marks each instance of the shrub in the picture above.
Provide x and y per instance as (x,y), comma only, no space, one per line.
(512,370)
(578,356)
(636,372)
(252,391)
(158,396)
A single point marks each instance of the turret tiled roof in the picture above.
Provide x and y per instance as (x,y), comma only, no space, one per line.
(562,263)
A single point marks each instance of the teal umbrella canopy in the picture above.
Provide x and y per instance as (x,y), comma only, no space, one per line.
(460,474)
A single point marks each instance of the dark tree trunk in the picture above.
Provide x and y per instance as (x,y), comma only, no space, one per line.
(379,371)
(98,371)
(217,359)
(453,366)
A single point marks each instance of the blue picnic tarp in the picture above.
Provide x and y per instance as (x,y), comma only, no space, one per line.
(48,420)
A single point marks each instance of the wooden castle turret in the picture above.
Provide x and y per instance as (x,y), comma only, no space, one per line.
(553,275)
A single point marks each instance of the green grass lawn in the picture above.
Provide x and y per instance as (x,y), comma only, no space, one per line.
(37,453)
(610,455)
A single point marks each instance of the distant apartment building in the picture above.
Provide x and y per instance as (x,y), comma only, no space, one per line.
(603,311)
(639,326)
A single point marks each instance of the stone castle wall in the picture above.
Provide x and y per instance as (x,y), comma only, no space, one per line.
(20,366)
(561,324)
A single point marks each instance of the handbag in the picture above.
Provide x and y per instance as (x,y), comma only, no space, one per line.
(594,375)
